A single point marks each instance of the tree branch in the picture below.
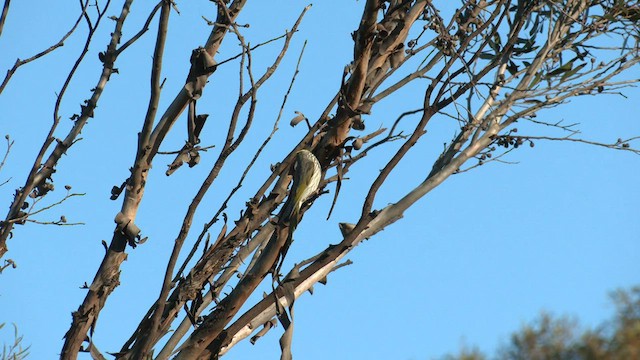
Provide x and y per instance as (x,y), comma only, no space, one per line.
(51,48)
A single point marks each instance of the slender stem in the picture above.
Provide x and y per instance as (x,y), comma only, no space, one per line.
(3,16)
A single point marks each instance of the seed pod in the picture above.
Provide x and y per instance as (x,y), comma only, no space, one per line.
(397,57)
(194,158)
(357,143)
(366,106)
(346,228)
(382,32)
(297,119)
(357,123)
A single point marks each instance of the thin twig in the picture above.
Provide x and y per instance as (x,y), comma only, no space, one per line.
(48,207)
(620,144)
(85,50)
(51,48)
(56,222)
(252,48)
(144,29)
(175,152)
(26,217)
(6,154)
(3,17)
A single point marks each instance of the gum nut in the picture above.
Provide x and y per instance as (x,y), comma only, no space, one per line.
(297,119)
(357,143)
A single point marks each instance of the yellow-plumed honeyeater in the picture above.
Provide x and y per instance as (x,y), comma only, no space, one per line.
(306,177)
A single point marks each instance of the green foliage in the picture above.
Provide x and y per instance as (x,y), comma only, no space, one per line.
(625,340)
(560,338)
(547,338)
(15,350)
(467,354)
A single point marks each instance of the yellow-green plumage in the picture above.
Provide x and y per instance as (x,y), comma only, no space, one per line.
(306,178)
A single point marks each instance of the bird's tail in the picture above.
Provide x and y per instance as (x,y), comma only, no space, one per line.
(290,213)
(293,217)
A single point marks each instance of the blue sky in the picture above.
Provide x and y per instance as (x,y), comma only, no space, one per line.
(476,258)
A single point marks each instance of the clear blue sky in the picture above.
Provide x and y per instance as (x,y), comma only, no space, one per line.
(471,262)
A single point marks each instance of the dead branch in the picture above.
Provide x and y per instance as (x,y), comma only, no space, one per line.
(142,31)
(491,65)
(246,250)
(3,16)
(215,217)
(6,155)
(620,144)
(266,308)
(106,278)
(48,50)
(164,314)
(36,182)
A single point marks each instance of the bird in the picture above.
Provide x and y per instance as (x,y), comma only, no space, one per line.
(306,178)
(346,228)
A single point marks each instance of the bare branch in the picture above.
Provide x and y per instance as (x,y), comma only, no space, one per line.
(620,144)
(3,16)
(84,318)
(164,311)
(142,31)
(51,48)
(470,75)
(6,155)
(223,207)
(244,251)
(36,182)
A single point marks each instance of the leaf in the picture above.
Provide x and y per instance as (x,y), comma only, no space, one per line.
(562,69)
(534,28)
(573,71)
(487,56)
(495,42)
(512,67)
(536,80)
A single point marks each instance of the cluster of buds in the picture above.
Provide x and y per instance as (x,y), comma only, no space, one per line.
(510,140)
